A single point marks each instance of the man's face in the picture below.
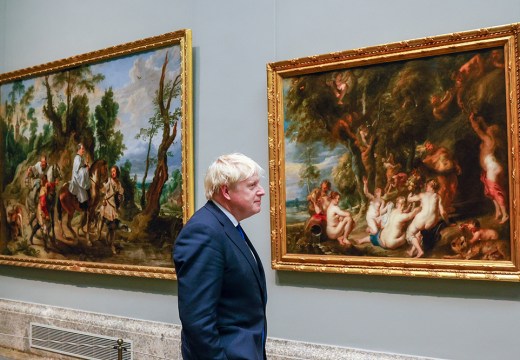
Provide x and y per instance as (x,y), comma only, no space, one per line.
(246,197)
(497,56)
(324,187)
(43,163)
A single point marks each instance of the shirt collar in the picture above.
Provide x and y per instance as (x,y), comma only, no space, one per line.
(227,213)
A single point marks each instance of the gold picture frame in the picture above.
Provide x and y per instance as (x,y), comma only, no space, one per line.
(129,105)
(423,131)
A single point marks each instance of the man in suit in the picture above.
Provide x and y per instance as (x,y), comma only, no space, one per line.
(221,282)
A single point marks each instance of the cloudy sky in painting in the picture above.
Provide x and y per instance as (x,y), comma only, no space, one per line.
(324,160)
(135,80)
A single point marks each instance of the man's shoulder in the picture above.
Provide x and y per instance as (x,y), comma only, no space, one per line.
(206,214)
(203,223)
(114,181)
(209,216)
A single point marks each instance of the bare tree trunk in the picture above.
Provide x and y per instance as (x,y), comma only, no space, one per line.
(53,117)
(164,99)
(143,187)
(154,192)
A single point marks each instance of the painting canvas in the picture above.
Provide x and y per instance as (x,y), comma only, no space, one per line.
(398,159)
(96,159)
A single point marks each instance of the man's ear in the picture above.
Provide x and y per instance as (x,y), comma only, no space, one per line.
(224,190)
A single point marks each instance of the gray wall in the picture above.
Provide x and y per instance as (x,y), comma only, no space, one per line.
(233,40)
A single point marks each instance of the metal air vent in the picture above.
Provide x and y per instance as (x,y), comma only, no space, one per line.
(77,343)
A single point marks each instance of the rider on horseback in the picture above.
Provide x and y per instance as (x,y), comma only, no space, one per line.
(80,181)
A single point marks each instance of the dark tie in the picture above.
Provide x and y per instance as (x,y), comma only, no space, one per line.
(243,234)
(241,231)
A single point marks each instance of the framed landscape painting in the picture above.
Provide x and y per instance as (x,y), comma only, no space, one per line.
(96,159)
(399,159)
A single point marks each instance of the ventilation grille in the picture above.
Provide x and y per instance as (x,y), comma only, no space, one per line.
(76,343)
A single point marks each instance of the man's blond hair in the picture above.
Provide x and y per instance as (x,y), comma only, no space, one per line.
(229,170)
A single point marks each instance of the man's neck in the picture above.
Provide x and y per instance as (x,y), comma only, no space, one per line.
(231,217)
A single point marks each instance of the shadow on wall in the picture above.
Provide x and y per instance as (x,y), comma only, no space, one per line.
(466,289)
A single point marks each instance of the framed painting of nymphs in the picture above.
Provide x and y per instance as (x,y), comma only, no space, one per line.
(400,159)
(96,159)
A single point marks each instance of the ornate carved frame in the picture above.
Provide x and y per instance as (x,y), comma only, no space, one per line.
(504,37)
(180,39)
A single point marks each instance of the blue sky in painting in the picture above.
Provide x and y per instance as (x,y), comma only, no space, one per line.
(325,160)
(116,72)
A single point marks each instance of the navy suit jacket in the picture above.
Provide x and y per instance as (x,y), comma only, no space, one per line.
(222,290)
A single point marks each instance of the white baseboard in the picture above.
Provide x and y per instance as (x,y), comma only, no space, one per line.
(151,340)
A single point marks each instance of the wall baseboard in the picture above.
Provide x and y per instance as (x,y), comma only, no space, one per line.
(151,340)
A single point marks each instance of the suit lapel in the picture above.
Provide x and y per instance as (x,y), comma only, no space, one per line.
(246,248)
(259,268)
